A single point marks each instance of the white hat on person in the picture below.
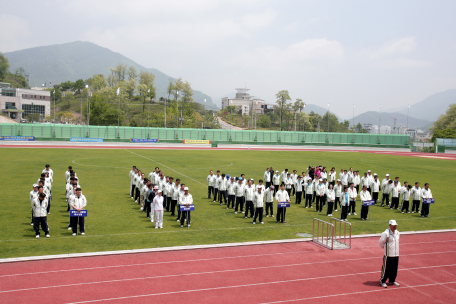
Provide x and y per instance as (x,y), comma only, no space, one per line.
(393,222)
(387,174)
(159,191)
(186,188)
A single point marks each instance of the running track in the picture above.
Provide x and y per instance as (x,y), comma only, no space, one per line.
(276,273)
(447,156)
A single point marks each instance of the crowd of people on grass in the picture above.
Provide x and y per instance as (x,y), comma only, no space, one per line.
(158,193)
(316,186)
(41,197)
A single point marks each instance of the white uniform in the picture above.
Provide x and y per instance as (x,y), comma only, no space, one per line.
(158,210)
(267,176)
(276,180)
(389,241)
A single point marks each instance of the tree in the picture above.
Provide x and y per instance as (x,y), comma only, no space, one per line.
(67,85)
(297,106)
(314,120)
(102,113)
(4,66)
(146,86)
(79,85)
(334,125)
(97,82)
(265,121)
(282,98)
(447,120)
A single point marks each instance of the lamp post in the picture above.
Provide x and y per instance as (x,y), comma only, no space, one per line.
(328,117)
(380,119)
(54,112)
(408,114)
(304,124)
(353,118)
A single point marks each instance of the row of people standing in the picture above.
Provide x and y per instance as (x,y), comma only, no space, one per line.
(158,193)
(40,199)
(75,201)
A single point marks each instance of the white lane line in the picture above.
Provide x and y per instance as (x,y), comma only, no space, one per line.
(248,285)
(98,166)
(165,167)
(356,292)
(273,226)
(214,259)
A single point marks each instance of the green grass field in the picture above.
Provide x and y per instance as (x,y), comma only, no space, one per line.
(115,221)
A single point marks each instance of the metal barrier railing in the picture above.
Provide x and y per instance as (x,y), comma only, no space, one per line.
(327,233)
(340,226)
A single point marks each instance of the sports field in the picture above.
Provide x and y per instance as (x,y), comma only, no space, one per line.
(115,221)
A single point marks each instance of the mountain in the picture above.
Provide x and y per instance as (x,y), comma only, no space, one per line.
(433,106)
(372,117)
(81,60)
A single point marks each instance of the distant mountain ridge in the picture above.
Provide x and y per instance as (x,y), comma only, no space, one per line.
(81,60)
(373,118)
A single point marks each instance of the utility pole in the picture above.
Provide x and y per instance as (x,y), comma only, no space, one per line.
(328,117)
(408,114)
(380,119)
(353,117)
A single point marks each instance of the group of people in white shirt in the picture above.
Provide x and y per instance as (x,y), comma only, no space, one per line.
(75,201)
(40,199)
(316,185)
(158,193)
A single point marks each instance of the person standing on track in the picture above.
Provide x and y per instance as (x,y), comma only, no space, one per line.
(389,241)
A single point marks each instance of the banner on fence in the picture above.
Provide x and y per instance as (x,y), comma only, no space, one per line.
(197,141)
(185,208)
(75,213)
(143,140)
(18,138)
(86,139)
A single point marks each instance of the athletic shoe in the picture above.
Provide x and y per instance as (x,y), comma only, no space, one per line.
(37,236)
(408,212)
(395,284)
(422,216)
(136,201)
(272,215)
(328,215)
(335,210)
(220,204)
(402,212)
(266,216)
(74,234)
(428,216)
(188,225)
(349,213)
(235,212)
(182,226)
(412,212)
(213,201)
(49,213)
(262,223)
(354,213)
(307,207)
(47,235)
(141,208)
(362,219)
(245,217)
(156,227)
(177,220)
(82,233)
(331,214)
(243,211)
(383,284)
(254,223)
(132,197)
(69,228)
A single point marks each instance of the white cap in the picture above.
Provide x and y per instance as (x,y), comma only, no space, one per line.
(393,223)
(252,179)
(186,188)
(375,174)
(387,174)
(369,171)
(35,185)
(156,187)
(338,180)
(320,180)
(159,191)
(277,170)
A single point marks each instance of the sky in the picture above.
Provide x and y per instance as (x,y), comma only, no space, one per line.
(348,54)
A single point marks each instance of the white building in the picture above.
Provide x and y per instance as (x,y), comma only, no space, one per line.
(385,130)
(245,102)
(402,129)
(18,103)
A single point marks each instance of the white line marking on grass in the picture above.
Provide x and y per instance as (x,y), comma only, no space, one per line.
(204,273)
(98,166)
(357,292)
(257,284)
(165,167)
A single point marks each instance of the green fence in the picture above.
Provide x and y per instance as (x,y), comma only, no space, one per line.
(48,131)
(444,144)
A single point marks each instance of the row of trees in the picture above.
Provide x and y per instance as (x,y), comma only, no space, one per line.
(127,96)
(445,126)
(16,79)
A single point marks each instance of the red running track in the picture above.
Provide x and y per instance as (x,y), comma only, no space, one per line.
(259,148)
(290,272)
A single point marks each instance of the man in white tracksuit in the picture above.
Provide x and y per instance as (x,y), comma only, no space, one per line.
(425,194)
(210,184)
(415,194)
(364,196)
(216,185)
(185,200)
(249,194)
(132,186)
(389,241)
(239,191)
(40,215)
(267,177)
(33,194)
(352,193)
(231,188)
(320,190)
(158,209)
(282,197)
(309,188)
(276,181)
(269,198)
(78,202)
(259,203)
(222,184)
